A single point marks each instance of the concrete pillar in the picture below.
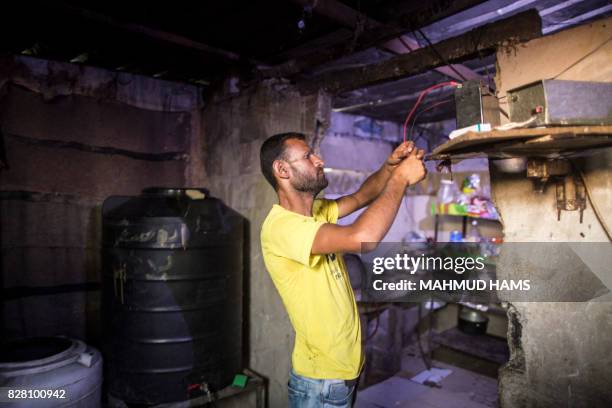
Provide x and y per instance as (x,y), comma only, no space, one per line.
(559,352)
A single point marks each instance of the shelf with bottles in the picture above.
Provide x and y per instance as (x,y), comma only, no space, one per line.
(474,244)
(469,201)
(464,210)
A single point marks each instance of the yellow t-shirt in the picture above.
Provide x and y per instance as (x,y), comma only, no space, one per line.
(316,292)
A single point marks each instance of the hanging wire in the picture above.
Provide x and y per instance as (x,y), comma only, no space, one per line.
(594,205)
(435,51)
(583,58)
(428,108)
(420,98)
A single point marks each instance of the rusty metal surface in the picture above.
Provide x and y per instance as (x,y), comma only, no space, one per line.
(570,195)
(547,168)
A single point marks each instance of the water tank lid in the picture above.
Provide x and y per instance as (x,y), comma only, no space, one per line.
(35,348)
(193,193)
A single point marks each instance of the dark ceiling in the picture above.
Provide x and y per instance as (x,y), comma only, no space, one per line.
(201,42)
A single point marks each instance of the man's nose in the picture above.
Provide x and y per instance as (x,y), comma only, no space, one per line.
(317,161)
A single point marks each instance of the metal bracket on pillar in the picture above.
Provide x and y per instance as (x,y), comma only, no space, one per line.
(571,195)
(541,170)
(570,192)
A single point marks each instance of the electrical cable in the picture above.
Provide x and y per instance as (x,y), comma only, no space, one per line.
(575,63)
(593,204)
(503,112)
(583,58)
(515,125)
(405,44)
(435,51)
(429,107)
(420,98)
(486,67)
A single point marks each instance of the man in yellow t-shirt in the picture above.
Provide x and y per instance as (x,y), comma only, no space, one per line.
(302,247)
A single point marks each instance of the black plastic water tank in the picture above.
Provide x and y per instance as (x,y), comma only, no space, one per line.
(172,294)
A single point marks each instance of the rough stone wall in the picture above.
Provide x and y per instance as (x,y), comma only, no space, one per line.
(235,125)
(72,136)
(560,352)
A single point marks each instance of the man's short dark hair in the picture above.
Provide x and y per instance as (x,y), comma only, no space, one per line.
(274,149)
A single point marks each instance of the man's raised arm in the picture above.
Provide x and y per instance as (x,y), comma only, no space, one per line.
(374,184)
(375,221)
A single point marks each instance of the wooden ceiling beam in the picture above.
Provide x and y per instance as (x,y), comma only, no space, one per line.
(513,30)
(374,34)
(150,33)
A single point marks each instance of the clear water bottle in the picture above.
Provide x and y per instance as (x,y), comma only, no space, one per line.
(474,235)
(447,192)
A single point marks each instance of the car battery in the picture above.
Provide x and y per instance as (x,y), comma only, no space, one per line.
(475,104)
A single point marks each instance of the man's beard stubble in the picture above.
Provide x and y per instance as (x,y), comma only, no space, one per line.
(306,184)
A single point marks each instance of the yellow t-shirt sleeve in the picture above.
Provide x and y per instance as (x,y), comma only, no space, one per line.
(292,238)
(327,210)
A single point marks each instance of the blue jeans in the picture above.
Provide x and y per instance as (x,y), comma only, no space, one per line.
(307,392)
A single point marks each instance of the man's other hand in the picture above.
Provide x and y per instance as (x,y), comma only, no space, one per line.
(400,153)
(411,168)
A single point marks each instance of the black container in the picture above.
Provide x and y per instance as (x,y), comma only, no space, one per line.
(472,321)
(172,294)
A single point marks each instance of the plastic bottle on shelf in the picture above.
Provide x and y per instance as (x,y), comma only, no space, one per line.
(447,192)
(456,236)
(474,235)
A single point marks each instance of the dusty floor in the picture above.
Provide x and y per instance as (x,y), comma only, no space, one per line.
(461,389)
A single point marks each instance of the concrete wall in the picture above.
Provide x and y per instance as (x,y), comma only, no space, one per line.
(560,352)
(235,125)
(72,137)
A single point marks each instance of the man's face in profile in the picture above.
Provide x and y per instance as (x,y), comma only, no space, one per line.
(306,168)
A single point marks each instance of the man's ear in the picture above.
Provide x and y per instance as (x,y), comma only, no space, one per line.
(280,169)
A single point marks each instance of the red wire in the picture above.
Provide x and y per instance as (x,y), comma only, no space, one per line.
(420,98)
(428,108)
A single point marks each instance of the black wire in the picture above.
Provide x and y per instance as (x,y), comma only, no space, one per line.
(583,58)
(486,67)
(594,206)
(503,112)
(428,107)
(435,51)
(480,32)
(568,68)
